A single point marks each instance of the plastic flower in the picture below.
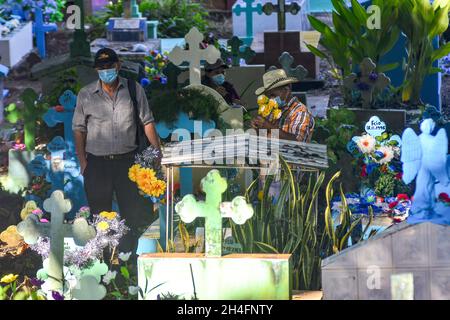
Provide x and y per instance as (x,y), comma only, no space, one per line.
(387,154)
(102,226)
(366,143)
(109,276)
(262,100)
(132,290)
(277,114)
(9,278)
(108,215)
(272,104)
(159,187)
(124,256)
(145,174)
(133,172)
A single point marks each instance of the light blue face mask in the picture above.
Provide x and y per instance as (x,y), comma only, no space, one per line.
(108,75)
(281,103)
(219,79)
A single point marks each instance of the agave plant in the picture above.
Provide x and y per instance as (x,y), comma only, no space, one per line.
(354,38)
(422,22)
(294,224)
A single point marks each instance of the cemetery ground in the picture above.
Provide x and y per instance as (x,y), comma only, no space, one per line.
(361,211)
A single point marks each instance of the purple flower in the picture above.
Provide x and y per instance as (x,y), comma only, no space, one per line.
(36,282)
(363,86)
(373,76)
(57,296)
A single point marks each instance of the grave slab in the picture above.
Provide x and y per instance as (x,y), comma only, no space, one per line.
(231,277)
(364,271)
(17,44)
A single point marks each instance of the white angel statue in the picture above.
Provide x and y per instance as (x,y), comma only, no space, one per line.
(426,156)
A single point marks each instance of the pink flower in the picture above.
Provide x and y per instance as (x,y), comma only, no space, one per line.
(44,221)
(59,108)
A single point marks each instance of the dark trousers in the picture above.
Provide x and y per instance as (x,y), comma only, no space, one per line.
(105,177)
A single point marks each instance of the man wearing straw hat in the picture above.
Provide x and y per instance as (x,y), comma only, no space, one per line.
(296,121)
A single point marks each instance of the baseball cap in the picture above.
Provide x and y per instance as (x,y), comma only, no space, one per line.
(213,66)
(105,57)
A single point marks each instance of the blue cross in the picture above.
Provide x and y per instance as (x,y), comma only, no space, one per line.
(248,9)
(52,117)
(40,29)
(64,177)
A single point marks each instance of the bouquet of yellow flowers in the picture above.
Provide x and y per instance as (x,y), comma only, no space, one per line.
(268,108)
(147,174)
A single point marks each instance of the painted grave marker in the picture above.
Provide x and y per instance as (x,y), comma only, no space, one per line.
(40,28)
(248,10)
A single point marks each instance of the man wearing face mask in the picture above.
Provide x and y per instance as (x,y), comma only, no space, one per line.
(215,79)
(105,130)
(296,121)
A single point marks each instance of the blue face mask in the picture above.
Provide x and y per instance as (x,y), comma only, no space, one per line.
(219,79)
(108,75)
(281,103)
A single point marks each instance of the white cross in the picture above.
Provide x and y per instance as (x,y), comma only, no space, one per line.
(194,55)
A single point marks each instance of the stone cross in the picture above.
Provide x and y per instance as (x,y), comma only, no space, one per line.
(286,62)
(194,55)
(31,230)
(281,8)
(238,51)
(40,29)
(248,9)
(80,46)
(214,185)
(53,116)
(367,81)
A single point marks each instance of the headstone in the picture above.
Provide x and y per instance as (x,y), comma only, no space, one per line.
(80,47)
(40,29)
(194,55)
(127,29)
(248,9)
(364,271)
(31,229)
(213,211)
(16,45)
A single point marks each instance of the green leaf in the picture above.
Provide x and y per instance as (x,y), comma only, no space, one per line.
(266,247)
(388,67)
(441,52)
(124,272)
(317,24)
(316,51)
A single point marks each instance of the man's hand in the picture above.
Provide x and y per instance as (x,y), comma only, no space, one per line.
(222,91)
(83,165)
(261,123)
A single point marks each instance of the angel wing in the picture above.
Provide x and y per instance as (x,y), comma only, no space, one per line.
(436,159)
(411,155)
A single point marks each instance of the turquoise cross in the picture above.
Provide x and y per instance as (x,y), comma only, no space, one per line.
(248,9)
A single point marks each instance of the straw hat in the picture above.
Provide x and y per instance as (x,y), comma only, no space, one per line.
(275,79)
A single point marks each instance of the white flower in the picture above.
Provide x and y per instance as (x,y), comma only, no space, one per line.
(388,154)
(132,290)
(366,143)
(110,275)
(124,256)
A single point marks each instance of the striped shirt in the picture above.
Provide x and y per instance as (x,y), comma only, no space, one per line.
(297,120)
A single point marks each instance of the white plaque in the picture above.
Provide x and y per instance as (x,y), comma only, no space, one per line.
(127,23)
(375,127)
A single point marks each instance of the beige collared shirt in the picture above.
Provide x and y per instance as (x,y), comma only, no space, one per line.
(109,122)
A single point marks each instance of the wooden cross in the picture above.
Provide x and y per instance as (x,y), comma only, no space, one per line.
(194,55)
(214,185)
(367,81)
(248,9)
(238,51)
(53,116)
(31,229)
(40,29)
(286,62)
(281,8)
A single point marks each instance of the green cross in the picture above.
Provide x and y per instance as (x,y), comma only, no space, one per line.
(281,8)
(213,210)
(367,81)
(237,52)
(286,62)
